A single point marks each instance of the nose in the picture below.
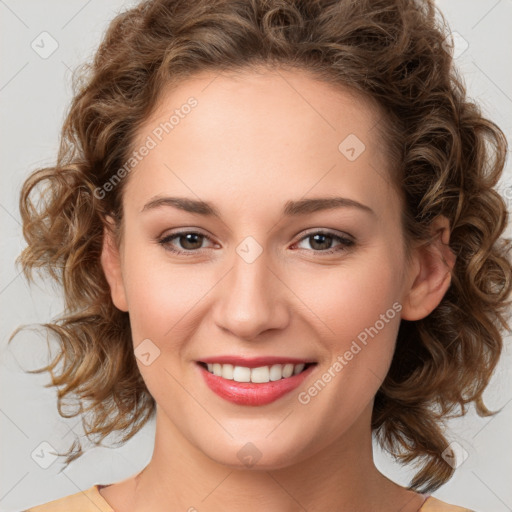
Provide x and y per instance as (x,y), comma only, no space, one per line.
(252,299)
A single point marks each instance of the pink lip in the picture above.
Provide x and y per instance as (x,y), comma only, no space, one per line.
(249,393)
(254,362)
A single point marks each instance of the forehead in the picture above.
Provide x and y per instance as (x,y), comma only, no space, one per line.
(258,134)
(263,101)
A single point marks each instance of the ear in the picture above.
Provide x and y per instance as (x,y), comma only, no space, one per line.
(430,272)
(111,263)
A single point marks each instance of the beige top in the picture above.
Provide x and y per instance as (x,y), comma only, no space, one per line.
(91,500)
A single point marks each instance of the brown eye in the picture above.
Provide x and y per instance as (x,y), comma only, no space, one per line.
(321,241)
(188,242)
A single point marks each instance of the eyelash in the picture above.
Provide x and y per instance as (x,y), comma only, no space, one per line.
(345,242)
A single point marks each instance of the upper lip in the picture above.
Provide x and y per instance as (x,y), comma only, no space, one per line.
(254,362)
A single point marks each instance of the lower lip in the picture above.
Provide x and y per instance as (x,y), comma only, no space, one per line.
(249,393)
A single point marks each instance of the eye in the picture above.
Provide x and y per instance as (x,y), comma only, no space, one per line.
(190,241)
(322,240)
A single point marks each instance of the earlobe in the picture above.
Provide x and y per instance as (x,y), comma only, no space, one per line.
(434,263)
(111,264)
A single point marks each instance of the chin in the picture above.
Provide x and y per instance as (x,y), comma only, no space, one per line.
(260,453)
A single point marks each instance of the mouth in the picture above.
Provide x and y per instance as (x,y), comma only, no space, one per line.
(249,382)
(257,375)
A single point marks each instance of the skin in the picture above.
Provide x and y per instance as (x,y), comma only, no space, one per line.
(255,141)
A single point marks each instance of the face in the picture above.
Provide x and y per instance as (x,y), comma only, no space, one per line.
(262,277)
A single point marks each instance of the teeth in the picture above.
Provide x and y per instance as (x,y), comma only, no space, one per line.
(241,374)
(259,375)
(287,370)
(298,368)
(276,372)
(227,371)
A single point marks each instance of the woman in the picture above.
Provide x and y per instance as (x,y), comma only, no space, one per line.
(277,231)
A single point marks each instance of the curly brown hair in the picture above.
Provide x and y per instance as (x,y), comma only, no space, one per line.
(447,161)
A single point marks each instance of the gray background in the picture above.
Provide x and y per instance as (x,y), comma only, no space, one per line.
(34,94)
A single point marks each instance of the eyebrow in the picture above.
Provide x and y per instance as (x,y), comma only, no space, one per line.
(291,208)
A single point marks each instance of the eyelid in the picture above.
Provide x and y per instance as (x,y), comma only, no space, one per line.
(326,231)
(346,242)
(344,238)
(183,231)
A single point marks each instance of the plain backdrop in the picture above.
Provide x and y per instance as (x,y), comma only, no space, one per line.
(41,43)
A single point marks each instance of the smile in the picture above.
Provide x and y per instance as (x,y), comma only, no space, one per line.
(259,375)
(254,385)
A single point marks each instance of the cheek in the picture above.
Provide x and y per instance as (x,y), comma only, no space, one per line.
(353,296)
(342,300)
(359,311)
(160,295)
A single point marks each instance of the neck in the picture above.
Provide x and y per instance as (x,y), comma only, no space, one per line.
(341,477)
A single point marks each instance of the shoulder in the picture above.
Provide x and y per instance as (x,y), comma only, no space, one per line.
(434,505)
(89,500)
